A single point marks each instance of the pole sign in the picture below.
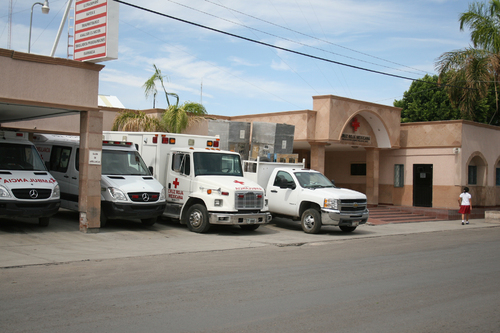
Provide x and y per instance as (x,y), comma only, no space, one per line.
(96,30)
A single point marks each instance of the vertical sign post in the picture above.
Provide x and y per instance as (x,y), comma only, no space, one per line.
(96,30)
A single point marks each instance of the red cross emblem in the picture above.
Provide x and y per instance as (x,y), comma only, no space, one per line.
(237,181)
(355,123)
(175,182)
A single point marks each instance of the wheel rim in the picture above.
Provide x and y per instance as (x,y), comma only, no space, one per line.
(195,218)
(309,222)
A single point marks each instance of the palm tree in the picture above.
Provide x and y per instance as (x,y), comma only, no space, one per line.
(136,121)
(470,72)
(150,86)
(177,118)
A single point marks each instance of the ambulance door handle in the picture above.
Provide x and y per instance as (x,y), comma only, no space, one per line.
(66,176)
(74,178)
(274,191)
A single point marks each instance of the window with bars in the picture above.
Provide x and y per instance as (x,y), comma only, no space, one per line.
(399,175)
(472,180)
(358,169)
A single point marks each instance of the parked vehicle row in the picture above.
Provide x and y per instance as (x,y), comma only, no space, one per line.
(145,175)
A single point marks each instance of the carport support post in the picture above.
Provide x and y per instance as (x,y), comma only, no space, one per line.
(372,175)
(89,199)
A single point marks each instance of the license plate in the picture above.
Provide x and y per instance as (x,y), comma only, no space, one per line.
(251,221)
(354,224)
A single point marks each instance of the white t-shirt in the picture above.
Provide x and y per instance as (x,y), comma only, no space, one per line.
(465,198)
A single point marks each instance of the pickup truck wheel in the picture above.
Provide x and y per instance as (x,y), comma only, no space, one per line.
(43,221)
(197,218)
(311,221)
(249,227)
(149,222)
(345,228)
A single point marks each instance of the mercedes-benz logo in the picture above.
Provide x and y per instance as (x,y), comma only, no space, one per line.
(145,197)
(33,194)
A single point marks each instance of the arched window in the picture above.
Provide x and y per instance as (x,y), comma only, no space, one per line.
(477,170)
(497,173)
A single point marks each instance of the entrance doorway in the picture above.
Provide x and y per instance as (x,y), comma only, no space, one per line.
(422,185)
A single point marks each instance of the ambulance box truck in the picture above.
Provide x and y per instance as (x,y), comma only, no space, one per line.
(27,189)
(128,190)
(204,185)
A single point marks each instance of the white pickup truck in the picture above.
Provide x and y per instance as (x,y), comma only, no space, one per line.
(307,195)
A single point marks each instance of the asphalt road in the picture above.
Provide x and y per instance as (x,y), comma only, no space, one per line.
(230,281)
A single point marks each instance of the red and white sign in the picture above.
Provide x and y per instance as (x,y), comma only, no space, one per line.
(96,30)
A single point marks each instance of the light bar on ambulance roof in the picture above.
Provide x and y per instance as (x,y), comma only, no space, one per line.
(214,144)
(116,143)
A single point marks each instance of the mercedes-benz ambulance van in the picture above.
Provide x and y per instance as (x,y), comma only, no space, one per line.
(128,190)
(26,188)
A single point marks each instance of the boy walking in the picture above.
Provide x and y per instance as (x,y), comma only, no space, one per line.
(465,202)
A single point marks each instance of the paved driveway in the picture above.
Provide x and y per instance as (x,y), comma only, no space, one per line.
(23,242)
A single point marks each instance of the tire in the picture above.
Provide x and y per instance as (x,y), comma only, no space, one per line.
(43,221)
(149,222)
(197,218)
(311,221)
(103,219)
(250,227)
(345,228)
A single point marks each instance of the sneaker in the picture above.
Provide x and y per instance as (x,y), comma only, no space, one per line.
(467,222)
(463,223)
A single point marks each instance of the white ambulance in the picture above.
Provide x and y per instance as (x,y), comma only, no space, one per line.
(26,188)
(128,190)
(205,185)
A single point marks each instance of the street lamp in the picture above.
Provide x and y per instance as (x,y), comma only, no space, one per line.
(45,10)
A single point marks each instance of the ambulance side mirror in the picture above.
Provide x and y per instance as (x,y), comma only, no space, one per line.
(47,165)
(150,168)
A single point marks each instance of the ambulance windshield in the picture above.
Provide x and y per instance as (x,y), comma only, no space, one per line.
(125,163)
(20,157)
(217,164)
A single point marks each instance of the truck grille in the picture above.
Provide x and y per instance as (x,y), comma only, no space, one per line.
(144,196)
(249,200)
(353,205)
(32,193)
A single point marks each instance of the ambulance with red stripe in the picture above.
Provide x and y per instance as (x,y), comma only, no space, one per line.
(128,190)
(27,189)
(205,185)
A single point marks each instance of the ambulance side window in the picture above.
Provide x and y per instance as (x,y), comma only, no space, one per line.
(77,159)
(59,158)
(181,163)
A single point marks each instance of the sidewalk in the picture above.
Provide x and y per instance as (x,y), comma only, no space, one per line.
(25,243)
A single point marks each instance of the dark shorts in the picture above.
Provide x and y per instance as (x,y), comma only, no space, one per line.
(464,210)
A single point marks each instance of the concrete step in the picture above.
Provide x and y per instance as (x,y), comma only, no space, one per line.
(385,215)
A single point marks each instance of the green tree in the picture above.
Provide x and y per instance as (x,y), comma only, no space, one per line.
(473,72)
(150,87)
(177,118)
(136,121)
(425,100)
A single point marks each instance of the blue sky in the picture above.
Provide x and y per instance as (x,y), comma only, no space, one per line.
(235,77)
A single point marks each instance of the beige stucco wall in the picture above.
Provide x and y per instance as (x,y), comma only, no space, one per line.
(25,77)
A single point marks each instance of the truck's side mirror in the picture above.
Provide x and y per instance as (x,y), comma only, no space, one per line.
(150,168)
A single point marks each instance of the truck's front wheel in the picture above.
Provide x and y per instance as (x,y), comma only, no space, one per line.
(197,218)
(345,228)
(311,221)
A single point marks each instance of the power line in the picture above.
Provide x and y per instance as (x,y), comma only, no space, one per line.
(266,44)
(293,41)
(319,39)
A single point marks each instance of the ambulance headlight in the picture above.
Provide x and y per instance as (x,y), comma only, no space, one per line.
(218,202)
(117,194)
(162,194)
(56,193)
(4,193)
